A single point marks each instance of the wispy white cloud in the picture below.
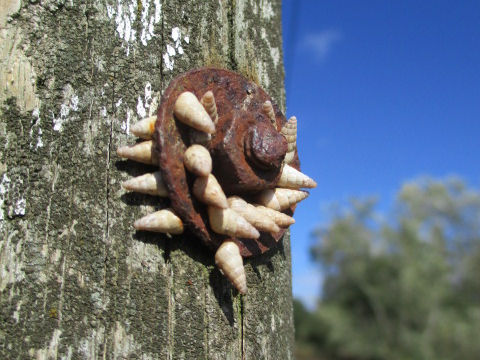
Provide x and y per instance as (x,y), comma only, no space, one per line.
(320,44)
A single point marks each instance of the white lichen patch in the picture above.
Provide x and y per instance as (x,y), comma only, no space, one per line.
(67,110)
(124,114)
(11,260)
(148,19)
(144,257)
(20,206)
(266,9)
(16,313)
(275,52)
(143,104)
(36,130)
(263,8)
(90,346)
(4,186)
(51,352)
(141,111)
(124,345)
(100,302)
(126,123)
(146,106)
(174,49)
(12,201)
(103,111)
(124,12)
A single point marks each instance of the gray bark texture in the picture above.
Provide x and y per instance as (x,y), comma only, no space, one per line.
(76,280)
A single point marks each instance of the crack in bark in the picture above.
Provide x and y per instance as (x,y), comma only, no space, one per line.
(106,239)
(234,66)
(167,250)
(242,309)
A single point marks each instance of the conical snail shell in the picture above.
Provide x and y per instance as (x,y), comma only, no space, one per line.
(164,221)
(292,178)
(230,263)
(151,184)
(281,219)
(229,222)
(280,199)
(255,217)
(208,190)
(208,102)
(289,130)
(191,112)
(144,128)
(141,152)
(267,108)
(197,160)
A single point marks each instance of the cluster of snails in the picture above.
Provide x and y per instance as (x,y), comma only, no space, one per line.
(210,119)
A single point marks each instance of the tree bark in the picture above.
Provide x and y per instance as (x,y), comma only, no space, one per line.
(76,280)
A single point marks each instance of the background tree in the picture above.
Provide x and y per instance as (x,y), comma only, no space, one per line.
(403,285)
(76,281)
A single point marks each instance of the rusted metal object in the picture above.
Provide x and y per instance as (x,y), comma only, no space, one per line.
(221,146)
(247,149)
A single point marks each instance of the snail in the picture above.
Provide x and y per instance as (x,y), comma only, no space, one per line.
(227,162)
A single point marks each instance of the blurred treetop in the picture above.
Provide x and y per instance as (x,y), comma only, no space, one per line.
(400,286)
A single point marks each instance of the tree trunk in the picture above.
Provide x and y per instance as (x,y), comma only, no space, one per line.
(76,280)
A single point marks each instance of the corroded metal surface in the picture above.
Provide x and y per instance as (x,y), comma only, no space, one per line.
(247,149)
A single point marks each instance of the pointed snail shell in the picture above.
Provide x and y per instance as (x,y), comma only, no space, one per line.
(230,263)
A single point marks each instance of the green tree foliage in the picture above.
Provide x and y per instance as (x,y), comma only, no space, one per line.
(401,286)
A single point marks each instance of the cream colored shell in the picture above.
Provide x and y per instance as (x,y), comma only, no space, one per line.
(164,221)
(191,112)
(292,178)
(281,219)
(229,222)
(144,128)
(208,102)
(289,130)
(255,217)
(151,184)
(197,160)
(280,199)
(267,108)
(141,152)
(208,190)
(230,263)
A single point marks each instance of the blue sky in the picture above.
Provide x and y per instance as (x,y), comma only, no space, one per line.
(384,92)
